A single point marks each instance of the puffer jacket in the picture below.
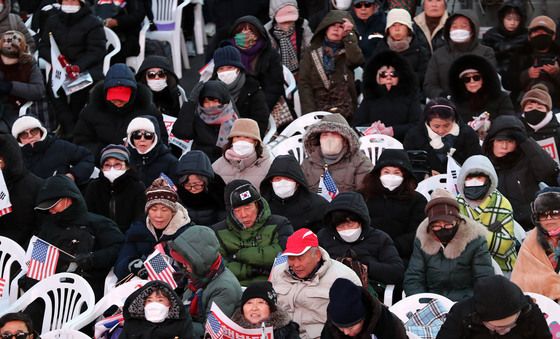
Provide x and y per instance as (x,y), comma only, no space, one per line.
(167,100)
(520,172)
(370,32)
(306,300)
(340,95)
(177,324)
(374,248)
(452,270)
(436,81)
(303,200)
(398,108)
(352,165)
(284,327)
(431,41)
(547,134)
(250,251)
(249,169)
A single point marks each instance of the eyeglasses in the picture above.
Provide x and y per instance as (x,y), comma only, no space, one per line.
(193,186)
(29,133)
(118,166)
(468,78)
(158,74)
(137,135)
(386,74)
(554,215)
(439,226)
(363,5)
(19,335)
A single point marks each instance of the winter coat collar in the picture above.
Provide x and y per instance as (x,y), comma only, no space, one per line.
(468,231)
(322,271)
(179,220)
(264,214)
(277,319)
(420,20)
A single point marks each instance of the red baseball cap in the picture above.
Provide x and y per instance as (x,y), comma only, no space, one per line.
(300,242)
(122,93)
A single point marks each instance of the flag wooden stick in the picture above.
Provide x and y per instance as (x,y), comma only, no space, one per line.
(125,279)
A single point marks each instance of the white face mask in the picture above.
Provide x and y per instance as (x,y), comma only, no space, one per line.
(350,235)
(342,4)
(284,188)
(228,77)
(113,174)
(156,312)
(331,145)
(391,181)
(459,35)
(243,147)
(70,8)
(157,85)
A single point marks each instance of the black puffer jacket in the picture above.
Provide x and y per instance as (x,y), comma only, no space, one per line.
(398,108)
(102,123)
(370,32)
(178,323)
(550,130)
(503,42)
(520,172)
(303,200)
(23,186)
(374,248)
(489,98)
(122,201)
(80,38)
(207,207)
(56,156)
(167,100)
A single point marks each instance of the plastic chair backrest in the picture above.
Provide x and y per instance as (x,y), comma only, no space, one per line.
(117,296)
(292,146)
(289,82)
(164,11)
(183,97)
(271,131)
(64,334)
(427,186)
(301,124)
(496,267)
(550,308)
(112,40)
(372,145)
(519,232)
(12,259)
(415,302)
(65,295)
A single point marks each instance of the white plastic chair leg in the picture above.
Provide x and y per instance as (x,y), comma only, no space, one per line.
(198,28)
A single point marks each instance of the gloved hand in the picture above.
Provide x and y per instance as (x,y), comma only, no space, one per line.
(137,268)
(85,261)
(153,26)
(5,87)
(72,71)
(519,136)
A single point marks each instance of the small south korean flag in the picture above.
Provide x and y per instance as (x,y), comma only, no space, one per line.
(245,195)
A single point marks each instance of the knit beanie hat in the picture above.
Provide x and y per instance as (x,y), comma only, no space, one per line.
(263,290)
(496,297)
(543,21)
(114,151)
(398,15)
(243,195)
(227,56)
(442,206)
(245,128)
(160,192)
(26,122)
(346,307)
(538,93)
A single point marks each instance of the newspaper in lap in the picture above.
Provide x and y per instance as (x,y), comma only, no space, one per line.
(82,81)
(218,325)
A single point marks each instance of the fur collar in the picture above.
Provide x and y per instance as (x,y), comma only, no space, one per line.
(468,231)
(277,319)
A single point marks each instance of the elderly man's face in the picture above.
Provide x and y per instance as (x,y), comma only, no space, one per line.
(304,264)
(247,214)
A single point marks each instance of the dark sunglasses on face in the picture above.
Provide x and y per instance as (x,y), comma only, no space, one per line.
(28,134)
(158,74)
(137,135)
(468,78)
(386,74)
(554,214)
(19,335)
(363,5)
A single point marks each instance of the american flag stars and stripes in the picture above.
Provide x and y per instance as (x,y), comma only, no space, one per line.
(2,285)
(159,269)
(214,327)
(43,260)
(327,186)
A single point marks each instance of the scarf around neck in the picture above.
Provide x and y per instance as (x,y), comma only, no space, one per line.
(288,51)
(235,87)
(438,142)
(329,52)
(249,55)
(399,46)
(197,285)
(223,115)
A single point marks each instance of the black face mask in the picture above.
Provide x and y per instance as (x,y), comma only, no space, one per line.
(541,42)
(533,117)
(476,192)
(445,235)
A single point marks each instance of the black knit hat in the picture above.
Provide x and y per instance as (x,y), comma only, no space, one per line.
(346,307)
(394,157)
(263,290)
(227,56)
(496,297)
(243,195)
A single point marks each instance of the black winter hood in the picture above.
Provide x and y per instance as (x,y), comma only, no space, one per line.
(119,75)
(408,84)
(60,186)
(502,123)
(134,305)
(394,157)
(195,162)
(156,61)
(215,89)
(350,202)
(284,166)
(491,87)
(13,159)
(519,7)
(255,23)
(475,26)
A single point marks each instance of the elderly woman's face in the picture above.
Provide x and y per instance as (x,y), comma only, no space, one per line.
(387,76)
(256,310)
(473,81)
(14,328)
(160,216)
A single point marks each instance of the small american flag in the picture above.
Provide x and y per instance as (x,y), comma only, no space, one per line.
(327,186)
(2,284)
(168,181)
(43,259)
(213,326)
(159,269)
(280,259)
(106,325)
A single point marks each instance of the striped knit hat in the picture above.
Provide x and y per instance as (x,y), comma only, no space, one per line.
(160,192)
(114,151)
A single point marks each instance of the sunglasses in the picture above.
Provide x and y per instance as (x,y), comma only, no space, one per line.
(468,78)
(19,335)
(363,5)
(386,74)
(137,135)
(29,133)
(159,74)
(554,214)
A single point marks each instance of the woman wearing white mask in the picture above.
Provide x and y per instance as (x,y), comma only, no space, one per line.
(155,311)
(348,233)
(461,35)
(156,72)
(244,155)
(286,191)
(394,205)
(117,193)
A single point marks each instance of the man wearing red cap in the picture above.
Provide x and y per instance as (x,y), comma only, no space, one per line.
(304,281)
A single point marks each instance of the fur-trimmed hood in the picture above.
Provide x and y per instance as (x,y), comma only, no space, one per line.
(331,123)
(407,85)
(277,319)
(491,87)
(477,164)
(468,231)
(134,304)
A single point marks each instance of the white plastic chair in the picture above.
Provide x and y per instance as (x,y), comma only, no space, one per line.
(496,267)
(413,303)
(301,124)
(184,97)
(289,82)
(112,40)
(428,185)
(198,28)
(64,294)
(292,146)
(117,296)
(271,130)
(12,258)
(550,308)
(24,107)
(64,334)
(135,61)
(519,232)
(297,103)
(167,17)
(372,145)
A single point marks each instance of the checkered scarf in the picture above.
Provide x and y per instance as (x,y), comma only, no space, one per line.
(287,49)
